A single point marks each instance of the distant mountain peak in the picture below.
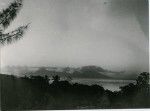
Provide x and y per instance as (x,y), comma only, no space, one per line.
(93,67)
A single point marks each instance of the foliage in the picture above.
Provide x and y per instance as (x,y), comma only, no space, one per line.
(6,17)
(143,79)
(56,79)
(35,92)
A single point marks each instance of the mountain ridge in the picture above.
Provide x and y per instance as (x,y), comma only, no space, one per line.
(89,71)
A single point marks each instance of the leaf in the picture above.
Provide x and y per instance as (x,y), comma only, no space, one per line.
(8,15)
(13,36)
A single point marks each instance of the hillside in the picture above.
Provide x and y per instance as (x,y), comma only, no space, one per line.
(80,72)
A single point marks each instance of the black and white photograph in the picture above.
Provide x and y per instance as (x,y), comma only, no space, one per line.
(74,54)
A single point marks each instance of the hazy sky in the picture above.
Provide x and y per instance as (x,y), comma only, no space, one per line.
(112,34)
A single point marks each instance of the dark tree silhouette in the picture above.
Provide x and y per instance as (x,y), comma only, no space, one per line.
(36,94)
(46,78)
(143,79)
(56,79)
(6,17)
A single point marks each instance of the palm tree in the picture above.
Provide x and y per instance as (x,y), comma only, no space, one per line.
(6,17)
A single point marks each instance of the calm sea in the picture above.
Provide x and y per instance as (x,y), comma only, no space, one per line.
(112,85)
